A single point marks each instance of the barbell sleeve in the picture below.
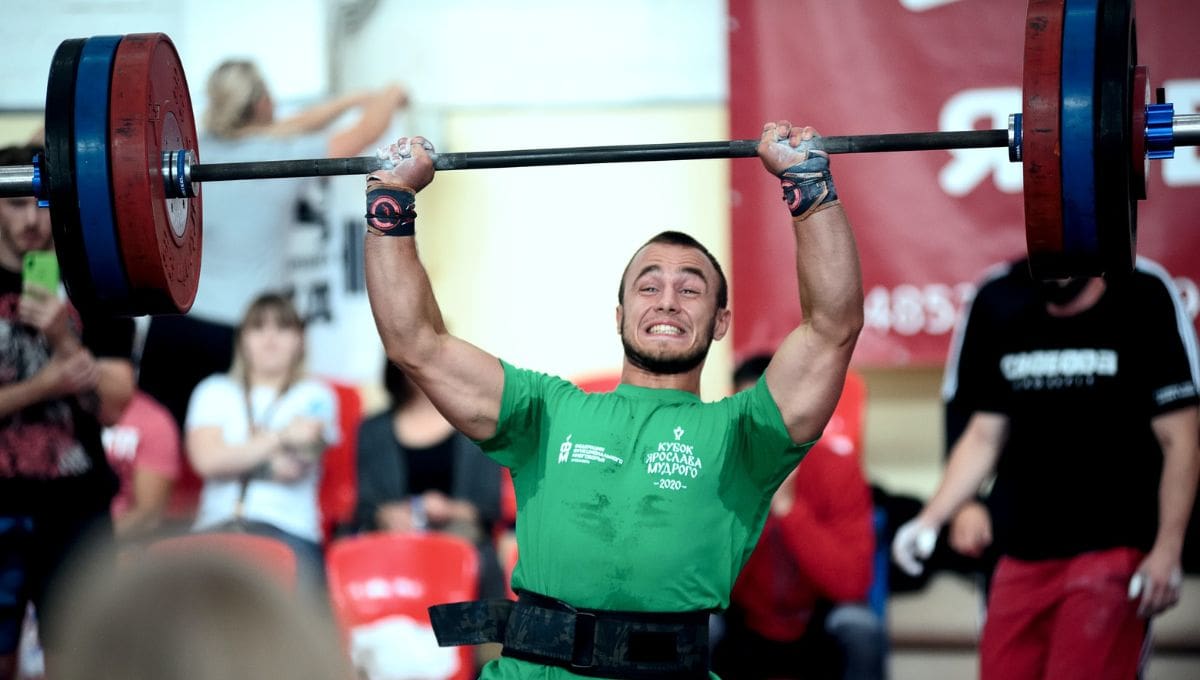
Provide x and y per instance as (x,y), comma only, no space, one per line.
(16,181)
(1187,129)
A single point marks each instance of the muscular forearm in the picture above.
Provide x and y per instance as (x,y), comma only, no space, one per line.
(406,312)
(831,293)
(807,373)
(463,382)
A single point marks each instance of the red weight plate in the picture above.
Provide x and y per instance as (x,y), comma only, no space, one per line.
(1041,137)
(151,112)
(1139,99)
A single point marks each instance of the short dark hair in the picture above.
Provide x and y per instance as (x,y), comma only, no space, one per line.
(678,238)
(751,369)
(18,154)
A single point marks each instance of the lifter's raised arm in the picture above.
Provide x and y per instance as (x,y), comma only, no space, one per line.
(463,381)
(807,372)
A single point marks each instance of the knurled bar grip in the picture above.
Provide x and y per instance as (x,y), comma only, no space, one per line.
(361,165)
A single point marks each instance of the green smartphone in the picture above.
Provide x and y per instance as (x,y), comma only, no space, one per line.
(41,269)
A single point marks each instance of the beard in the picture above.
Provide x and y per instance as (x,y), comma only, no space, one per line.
(667,365)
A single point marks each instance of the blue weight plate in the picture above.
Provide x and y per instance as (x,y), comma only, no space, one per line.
(100,244)
(1081,243)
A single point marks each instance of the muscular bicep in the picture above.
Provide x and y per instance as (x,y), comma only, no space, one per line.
(465,383)
(805,378)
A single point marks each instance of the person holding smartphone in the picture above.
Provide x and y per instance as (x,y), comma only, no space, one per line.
(59,375)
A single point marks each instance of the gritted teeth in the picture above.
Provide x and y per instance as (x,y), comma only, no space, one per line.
(664,329)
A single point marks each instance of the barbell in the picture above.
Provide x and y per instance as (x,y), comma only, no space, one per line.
(121,169)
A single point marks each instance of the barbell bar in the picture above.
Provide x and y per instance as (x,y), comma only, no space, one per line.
(181,174)
(122,171)
(180,180)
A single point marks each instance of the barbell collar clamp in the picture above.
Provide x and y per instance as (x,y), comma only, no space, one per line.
(177,174)
(1014,137)
(39,190)
(1160,131)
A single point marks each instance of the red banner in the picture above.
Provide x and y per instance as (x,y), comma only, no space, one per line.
(928,223)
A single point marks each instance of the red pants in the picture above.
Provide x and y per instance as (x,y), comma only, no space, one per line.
(1063,619)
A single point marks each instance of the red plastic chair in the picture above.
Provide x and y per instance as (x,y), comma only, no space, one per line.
(381,575)
(268,554)
(338,490)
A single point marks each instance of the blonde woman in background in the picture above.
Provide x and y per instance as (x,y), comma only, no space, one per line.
(256,435)
(247,223)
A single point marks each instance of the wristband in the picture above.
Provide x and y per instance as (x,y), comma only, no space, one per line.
(391,210)
(808,185)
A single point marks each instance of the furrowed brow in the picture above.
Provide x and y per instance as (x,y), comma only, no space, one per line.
(649,269)
(697,271)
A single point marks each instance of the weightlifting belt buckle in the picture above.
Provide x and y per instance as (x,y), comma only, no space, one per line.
(583,650)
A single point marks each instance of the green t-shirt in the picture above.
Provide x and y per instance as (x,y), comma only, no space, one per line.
(636,500)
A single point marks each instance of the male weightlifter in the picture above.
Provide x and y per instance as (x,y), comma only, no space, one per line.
(623,558)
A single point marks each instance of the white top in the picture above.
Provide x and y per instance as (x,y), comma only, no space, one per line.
(247,225)
(291,506)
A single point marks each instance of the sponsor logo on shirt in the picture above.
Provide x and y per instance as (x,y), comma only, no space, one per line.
(574,452)
(1170,393)
(1058,368)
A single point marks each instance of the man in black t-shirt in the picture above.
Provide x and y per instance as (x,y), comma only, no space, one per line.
(57,375)
(1082,399)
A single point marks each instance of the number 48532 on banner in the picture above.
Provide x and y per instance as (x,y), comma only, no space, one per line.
(908,309)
